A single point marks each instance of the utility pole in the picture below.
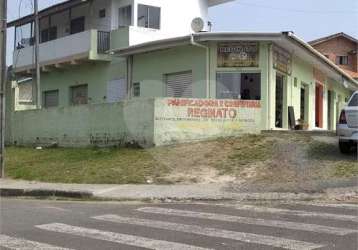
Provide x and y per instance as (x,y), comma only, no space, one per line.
(3,79)
(37,54)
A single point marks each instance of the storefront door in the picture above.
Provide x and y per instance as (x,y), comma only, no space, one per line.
(330,110)
(319,105)
(279,101)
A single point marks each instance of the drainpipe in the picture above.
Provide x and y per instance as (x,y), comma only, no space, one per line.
(207,48)
(129,60)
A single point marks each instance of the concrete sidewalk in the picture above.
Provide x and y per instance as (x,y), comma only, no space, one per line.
(15,188)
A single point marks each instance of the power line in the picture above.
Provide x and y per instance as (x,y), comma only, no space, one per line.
(299,10)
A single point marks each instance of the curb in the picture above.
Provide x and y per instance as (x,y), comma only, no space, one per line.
(43,193)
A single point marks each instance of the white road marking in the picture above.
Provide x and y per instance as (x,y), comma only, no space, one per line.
(57,208)
(125,239)
(333,205)
(213,232)
(251,221)
(22,244)
(299,213)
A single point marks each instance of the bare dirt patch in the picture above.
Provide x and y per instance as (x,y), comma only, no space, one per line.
(265,162)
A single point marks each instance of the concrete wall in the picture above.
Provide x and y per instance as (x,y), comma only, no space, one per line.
(184,120)
(85,125)
(143,122)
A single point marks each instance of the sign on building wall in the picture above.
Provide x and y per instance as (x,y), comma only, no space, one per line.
(180,120)
(282,60)
(238,54)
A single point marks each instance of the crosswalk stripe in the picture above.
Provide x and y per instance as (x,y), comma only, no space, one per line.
(213,232)
(125,239)
(251,221)
(299,213)
(22,244)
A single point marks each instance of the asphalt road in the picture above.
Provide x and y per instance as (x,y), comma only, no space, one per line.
(35,224)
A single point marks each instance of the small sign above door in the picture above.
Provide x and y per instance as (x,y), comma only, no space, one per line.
(238,54)
(282,60)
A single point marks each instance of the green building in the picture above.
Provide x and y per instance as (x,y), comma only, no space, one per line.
(99,88)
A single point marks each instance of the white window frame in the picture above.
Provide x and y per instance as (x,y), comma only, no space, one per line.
(31,99)
(149,7)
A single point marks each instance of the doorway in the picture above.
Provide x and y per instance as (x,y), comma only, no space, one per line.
(319,105)
(330,110)
(279,101)
(304,104)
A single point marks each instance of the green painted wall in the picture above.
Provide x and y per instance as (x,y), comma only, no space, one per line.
(149,69)
(95,74)
(303,72)
(98,124)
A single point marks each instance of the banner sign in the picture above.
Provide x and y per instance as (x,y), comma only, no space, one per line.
(238,54)
(282,60)
(183,119)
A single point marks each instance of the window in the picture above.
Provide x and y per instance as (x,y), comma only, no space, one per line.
(245,86)
(354,101)
(49,34)
(25,91)
(50,98)
(342,60)
(125,16)
(148,16)
(136,89)
(116,90)
(179,84)
(24,35)
(102,13)
(79,95)
(78,25)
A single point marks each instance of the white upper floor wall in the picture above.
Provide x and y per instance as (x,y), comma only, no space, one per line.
(175,17)
(147,19)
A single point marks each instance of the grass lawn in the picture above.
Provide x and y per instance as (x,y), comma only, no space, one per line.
(107,166)
(267,159)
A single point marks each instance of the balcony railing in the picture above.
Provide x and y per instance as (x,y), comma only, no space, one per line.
(87,45)
(103,41)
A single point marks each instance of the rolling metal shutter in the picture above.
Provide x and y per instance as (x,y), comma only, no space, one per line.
(51,99)
(179,84)
(116,90)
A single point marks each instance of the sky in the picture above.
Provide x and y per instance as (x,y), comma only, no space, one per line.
(308,19)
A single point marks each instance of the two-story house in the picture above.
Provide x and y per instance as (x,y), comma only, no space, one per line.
(341,49)
(150,72)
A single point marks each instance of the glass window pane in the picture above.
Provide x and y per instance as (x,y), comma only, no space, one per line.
(250,86)
(24,35)
(354,101)
(154,17)
(142,16)
(228,86)
(125,16)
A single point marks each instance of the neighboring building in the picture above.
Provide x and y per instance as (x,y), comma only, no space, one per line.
(121,71)
(341,49)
